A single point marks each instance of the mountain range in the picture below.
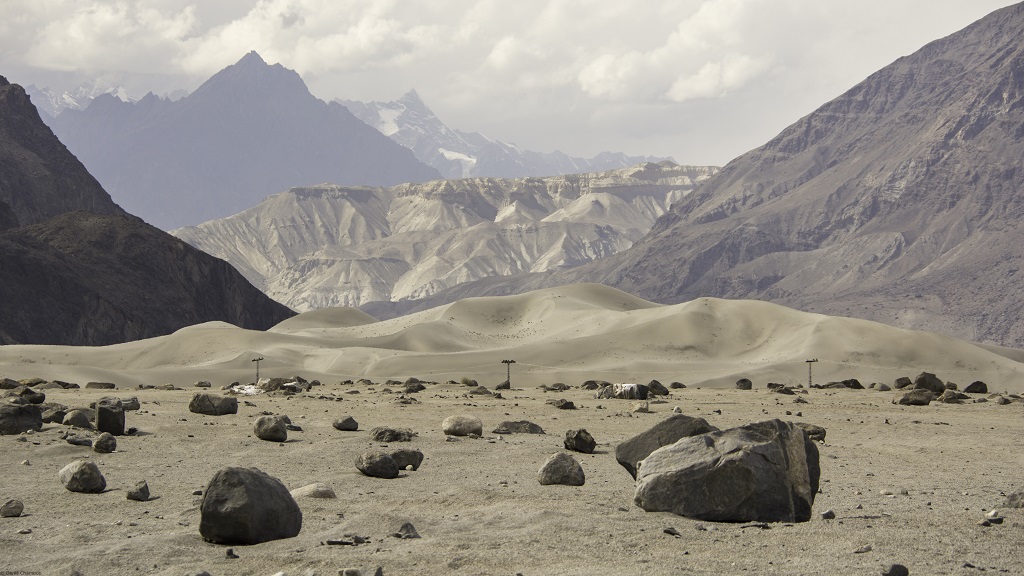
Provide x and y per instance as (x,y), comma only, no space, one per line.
(330,245)
(251,130)
(457,154)
(79,270)
(902,201)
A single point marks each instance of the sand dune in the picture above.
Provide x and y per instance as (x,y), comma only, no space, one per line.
(568,334)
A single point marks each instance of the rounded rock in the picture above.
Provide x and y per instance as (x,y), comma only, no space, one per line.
(12,509)
(561,468)
(377,464)
(82,476)
(462,426)
(105,443)
(346,424)
(271,428)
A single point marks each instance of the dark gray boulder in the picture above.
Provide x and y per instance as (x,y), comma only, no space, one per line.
(656,388)
(82,476)
(377,464)
(814,432)
(131,404)
(105,443)
(18,418)
(271,428)
(406,457)
(247,506)
(100,386)
(917,397)
(518,427)
(110,415)
(929,381)
(761,472)
(387,434)
(139,492)
(53,413)
(346,424)
(976,387)
(579,440)
(213,405)
(561,468)
(744,384)
(661,434)
(902,382)
(12,509)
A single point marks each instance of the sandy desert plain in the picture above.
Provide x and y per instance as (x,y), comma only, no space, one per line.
(908,484)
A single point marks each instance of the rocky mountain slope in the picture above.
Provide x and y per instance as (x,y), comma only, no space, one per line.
(330,245)
(77,270)
(901,201)
(458,154)
(249,131)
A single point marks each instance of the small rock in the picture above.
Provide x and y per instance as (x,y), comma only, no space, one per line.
(271,428)
(518,427)
(677,410)
(863,549)
(78,440)
(78,419)
(579,440)
(139,492)
(105,443)
(462,426)
(815,433)
(386,434)
(641,407)
(316,490)
(563,404)
(407,458)
(828,515)
(377,464)
(346,424)
(744,384)
(12,509)
(407,531)
(895,570)
(561,468)
(82,476)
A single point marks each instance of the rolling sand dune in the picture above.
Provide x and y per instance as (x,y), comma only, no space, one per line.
(569,334)
(908,484)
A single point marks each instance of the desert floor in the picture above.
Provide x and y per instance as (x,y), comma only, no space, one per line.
(910,482)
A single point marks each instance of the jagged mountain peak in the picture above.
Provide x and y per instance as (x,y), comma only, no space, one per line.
(251,75)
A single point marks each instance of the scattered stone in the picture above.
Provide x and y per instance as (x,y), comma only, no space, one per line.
(78,419)
(563,404)
(814,432)
(316,490)
(139,492)
(131,404)
(1015,500)
(28,395)
(993,514)
(480,391)
(462,426)
(506,385)
(641,407)
(916,397)
(580,440)
(20,418)
(786,390)
(105,443)
(1002,400)
(657,388)
(100,386)
(902,382)
(271,428)
(950,397)
(82,476)
(346,424)
(78,440)
(595,384)
(676,385)
(561,468)
(677,410)
(863,549)
(976,387)
(929,381)
(663,433)
(895,570)
(407,531)
(765,472)
(377,464)
(212,404)
(203,384)
(407,458)
(385,434)
(12,509)
(744,384)
(828,515)
(518,427)
(413,387)
(53,413)
(883,388)
(247,506)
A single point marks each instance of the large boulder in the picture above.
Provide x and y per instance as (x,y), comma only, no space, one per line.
(213,405)
(579,440)
(82,476)
(18,418)
(929,381)
(378,464)
(917,397)
(247,506)
(661,434)
(518,427)
(110,415)
(656,388)
(761,472)
(976,387)
(744,384)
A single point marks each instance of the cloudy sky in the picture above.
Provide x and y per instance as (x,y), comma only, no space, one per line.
(699,80)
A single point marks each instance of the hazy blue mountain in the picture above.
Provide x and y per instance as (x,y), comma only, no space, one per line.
(458,154)
(249,131)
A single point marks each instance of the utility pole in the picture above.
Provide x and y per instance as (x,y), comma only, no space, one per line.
(257,361)
(809,364)
(508,370)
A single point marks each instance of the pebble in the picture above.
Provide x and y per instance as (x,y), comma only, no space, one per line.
(828,515)
(25,531)
(407,531)
(863,549)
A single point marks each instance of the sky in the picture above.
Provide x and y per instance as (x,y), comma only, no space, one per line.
(701,81)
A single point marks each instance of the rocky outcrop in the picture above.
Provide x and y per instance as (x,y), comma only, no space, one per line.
(766,472)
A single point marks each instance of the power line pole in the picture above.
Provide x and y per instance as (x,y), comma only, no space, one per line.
(257,361)
(508,370)
(809,364)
